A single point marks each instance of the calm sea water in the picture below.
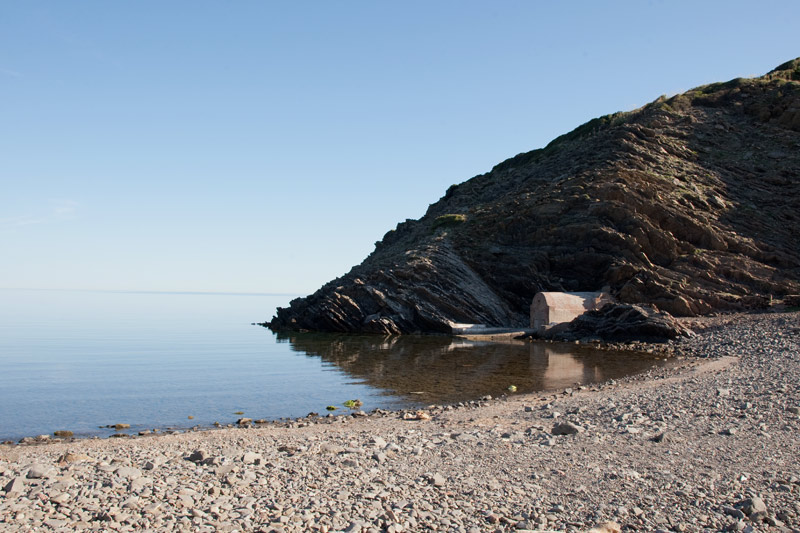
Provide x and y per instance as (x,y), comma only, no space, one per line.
(79,360)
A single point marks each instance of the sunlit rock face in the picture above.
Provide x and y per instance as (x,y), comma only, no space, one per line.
(690,203)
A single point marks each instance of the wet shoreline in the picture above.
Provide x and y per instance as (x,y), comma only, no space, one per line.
(671,449)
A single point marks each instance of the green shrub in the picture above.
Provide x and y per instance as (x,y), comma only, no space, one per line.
(449,220)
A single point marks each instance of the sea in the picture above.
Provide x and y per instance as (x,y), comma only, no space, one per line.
(84,360)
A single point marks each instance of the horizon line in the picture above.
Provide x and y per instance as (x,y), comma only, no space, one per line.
(133,291)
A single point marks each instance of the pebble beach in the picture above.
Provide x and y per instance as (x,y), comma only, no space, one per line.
(710,444)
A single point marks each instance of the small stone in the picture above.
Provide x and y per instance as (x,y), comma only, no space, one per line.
(63,433)
(38,471)
(378,442)
(492,518)
(155,462)
(773,521)
(69,458)
(139,483)
(566,428)
(128,472)
(607,527)
(437,480)
(15,485)
(250,458)
(752,505)
(289,450)
(244,421)
(661,437)
(732,511)
(354,527)
(60,498)
(224,469)
(331,448)
(198,456)
(739,525)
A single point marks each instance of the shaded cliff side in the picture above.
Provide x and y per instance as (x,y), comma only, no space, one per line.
(691,203)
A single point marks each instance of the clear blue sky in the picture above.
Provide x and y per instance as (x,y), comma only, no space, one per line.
(259,146)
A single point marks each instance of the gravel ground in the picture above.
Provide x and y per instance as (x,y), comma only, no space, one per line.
(710,445)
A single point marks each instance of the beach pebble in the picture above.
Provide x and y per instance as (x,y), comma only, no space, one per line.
(437,480)
(38,471)
(752,505)
(566,428)
(128,472)
(15,485)
(252,458)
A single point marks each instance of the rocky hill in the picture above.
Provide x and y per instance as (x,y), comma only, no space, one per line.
(691,203)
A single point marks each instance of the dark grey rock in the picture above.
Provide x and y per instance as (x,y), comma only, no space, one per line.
(622,322)
(566,428)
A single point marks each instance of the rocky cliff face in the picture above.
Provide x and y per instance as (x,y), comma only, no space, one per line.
(691,203)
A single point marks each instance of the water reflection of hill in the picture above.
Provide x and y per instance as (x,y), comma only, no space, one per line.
(441,369)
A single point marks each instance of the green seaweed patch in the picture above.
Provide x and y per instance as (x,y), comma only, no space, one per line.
(353,404)
(238,412)
(331,408)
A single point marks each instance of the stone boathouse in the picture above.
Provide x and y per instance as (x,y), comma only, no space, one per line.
(550,308)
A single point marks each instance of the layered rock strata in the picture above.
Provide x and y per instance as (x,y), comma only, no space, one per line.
(691,203)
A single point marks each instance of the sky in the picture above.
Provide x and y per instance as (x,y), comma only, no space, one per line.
(263,147)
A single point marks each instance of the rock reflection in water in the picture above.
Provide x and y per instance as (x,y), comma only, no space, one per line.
(441,369)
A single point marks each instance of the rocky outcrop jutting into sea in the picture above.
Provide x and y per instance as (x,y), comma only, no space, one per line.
(691,203)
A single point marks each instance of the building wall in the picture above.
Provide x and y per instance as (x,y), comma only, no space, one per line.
(556,307)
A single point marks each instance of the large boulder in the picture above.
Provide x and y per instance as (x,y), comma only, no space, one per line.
(622,323)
